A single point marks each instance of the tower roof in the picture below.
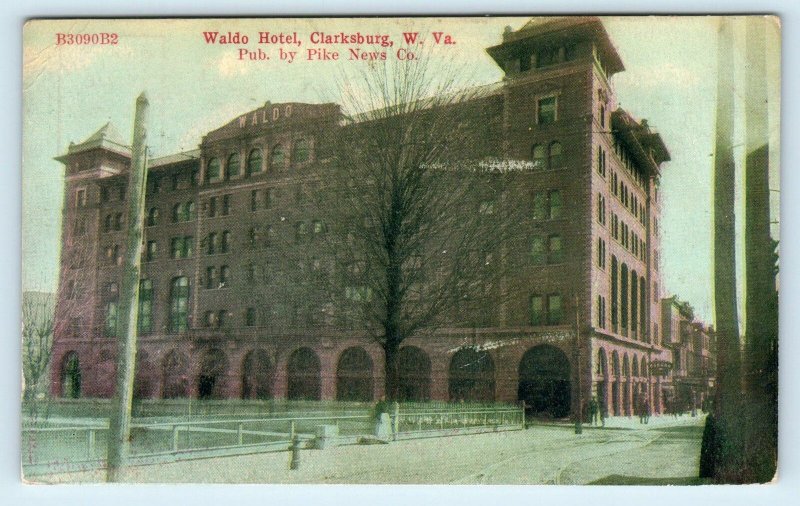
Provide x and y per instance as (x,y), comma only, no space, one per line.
(107,137)
(547,30)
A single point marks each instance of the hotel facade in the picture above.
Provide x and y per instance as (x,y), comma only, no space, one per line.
(584,313)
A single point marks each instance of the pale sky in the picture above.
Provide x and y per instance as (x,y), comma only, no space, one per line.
(71,91)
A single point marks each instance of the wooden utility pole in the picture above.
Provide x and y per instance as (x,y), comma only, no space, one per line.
(761,331)
(119,429)
(579,402)
(728,445)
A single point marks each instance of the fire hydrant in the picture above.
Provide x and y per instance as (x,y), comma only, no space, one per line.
(295,449)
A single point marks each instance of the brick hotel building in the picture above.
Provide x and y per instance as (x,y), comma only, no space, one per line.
(212,212)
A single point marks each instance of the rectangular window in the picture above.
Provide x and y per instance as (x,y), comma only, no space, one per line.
(211,274)
(539,206)
(546,110)
(538,250)
(601,161)
(250,317)
(150,253)
(212,207)
(601,209)
(112,318)
(80,198)
(145,321)
(175,182)
(555,313)
(555,204)
(254,200)
(555,251)
(601,253)
(601,311)
(536,310)
(181,247)
(226,205)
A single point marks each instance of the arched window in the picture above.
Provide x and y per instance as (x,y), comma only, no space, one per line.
(254,160)
(234,166)
(213,368)
(624,294)
(471,376)
(539,156)
(213,170)
(301,152)
(71,376)
(354,376)
(189,211)
(177,212)
(257,373)
(556,155)
(277,158)
(614,293)
(413,374)
(303,375)
(179,305)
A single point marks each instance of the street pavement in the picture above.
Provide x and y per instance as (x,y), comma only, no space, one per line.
(666,449)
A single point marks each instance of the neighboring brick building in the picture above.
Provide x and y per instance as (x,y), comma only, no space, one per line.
(693,360)
(206,330)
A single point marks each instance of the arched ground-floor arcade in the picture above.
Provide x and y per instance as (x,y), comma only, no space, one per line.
(539,368)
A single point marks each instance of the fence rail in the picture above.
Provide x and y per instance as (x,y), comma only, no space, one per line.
(61,444)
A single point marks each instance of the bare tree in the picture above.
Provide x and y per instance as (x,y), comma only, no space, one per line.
(38,326)
(422,221)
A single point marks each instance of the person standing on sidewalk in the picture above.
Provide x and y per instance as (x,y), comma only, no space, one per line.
(594,409)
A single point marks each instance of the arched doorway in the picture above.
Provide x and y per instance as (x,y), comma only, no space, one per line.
(471,376)
(303,374)
(602,383)
(544,381)
(174,370)
(413,374)
(257,375)
(212,372)
(354,376)
(628,386)
(71,376)
(142,384)
(615,381)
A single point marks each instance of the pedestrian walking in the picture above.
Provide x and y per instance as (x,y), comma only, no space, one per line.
(594,410)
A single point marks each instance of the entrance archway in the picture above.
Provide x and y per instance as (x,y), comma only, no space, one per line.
(471,376)
(174,371)
(71,376)
(413,374)
(303,375)
(602,363)
(544,381)
(354,376)
(212,371)
(257,375)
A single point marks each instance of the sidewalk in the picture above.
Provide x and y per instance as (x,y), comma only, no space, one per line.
(666,448)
